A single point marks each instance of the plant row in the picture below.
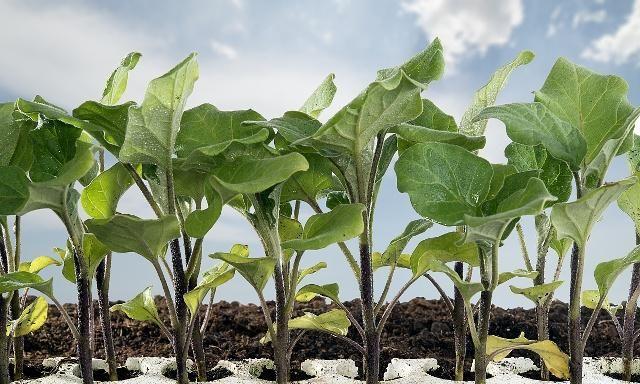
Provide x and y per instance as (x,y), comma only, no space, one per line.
(190,163)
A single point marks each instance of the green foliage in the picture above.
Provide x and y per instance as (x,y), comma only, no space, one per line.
(257,271)
(100,198)
(321,98)
(31,319)
(117,82)
(141,308)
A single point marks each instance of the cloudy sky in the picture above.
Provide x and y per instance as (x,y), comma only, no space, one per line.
(270,55)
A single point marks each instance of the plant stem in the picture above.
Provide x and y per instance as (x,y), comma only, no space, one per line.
(483,333)
(459,326)
(575,334)
(4,351)
(542,307)
(372,343)
(84,318)
(197,345)
(18,342)
(629,321)
(103,274)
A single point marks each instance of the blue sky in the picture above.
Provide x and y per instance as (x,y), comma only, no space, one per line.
(270,55)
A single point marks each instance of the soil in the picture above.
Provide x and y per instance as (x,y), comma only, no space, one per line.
(419,328)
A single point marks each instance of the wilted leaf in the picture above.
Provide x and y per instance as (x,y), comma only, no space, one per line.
(31,319)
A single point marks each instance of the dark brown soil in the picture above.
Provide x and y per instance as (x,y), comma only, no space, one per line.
(417,329)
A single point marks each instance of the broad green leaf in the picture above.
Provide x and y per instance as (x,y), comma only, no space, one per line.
(93,252)
(292,127)
(38,264)
(466,289)
(152,127)
(336,198)
(212,280)
(252,175)
(411,134)
(444,182)
(554,359)
(537,293)
(200,221)
(100,198)
(309,291)
(10,131)
(591,298)
(576,219)
(335,322)
(397,245)
(629,203)
(383,105)
(506,276)
(607,272)
(487,95)
(207,131)
(530,200)
(500,173)
(377,261)
(14,281)
(31,319)
(595,104)
(127,233)
(425,67)
(446,248)
(511,184)
(14,190)
(321,98)
(342,223)
(311,270)
(534,123)
(308,185)
(257,271)
(141,308)
(117,82)
(289,229)
(433,117)
(105,123)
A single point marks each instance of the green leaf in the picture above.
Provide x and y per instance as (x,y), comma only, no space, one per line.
(14,190)
(311,270)
(530,200)
(127,233)
(629,203)
(152,127)
(595,104)
(321,98)
(466,289)
(212,280)
(200,221)
(411,134)
(576,219)
(14,281)
(100,198)
(398,244)
(250,175)
(425,67)
(487,95)
(207,131)
(308,185)
(433,117)
(554,359)
(31,319)
(310,291)
(105,123)
(256,271)
(591,298)
(607,272)
(292,127)
(342,223)
(534,123)
(289,229)
(38,264)
(506,276)
(335,322)
(141,308)
(537,293)
(117,82)
(446,248)
(10,131)
(444,182)
(383,105)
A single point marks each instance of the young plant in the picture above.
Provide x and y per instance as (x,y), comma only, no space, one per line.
(584,119)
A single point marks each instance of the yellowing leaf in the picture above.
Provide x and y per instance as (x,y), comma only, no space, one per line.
(557,361)
(31,318)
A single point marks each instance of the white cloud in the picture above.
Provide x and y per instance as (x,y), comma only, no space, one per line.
(224,50)
(467,27)
(585,16)
(554,23)
(620,46)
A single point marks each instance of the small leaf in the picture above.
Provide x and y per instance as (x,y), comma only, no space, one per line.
(576,219)
(554,359)
(117,82)
(311,270)
(606,272)
(487,95)
(398,244)
(629,203)
(433,117)
(591,298)
(321,98)
(214,278)
(14,190)
(127,233)
(257,271)
(412,134)
(506,276)
(141,308)
(38,264)
(446,248)
(199,222)
(335,322)
(31,319)
(310,291)
(344,222)
(14,281)
(100,198)
(308,185)
(537,293)
(425,67)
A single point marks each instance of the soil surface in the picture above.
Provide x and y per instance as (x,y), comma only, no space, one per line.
(417,329)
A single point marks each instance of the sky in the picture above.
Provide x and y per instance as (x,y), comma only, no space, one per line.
(269,56)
